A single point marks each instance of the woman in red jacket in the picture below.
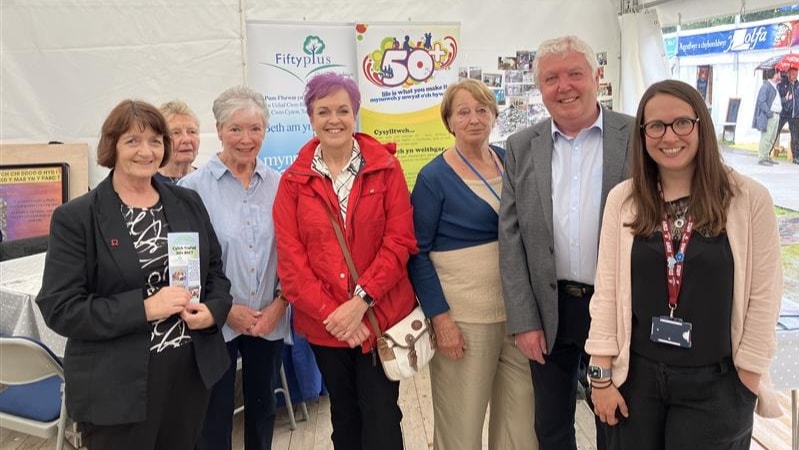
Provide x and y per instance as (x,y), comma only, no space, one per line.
(358,181)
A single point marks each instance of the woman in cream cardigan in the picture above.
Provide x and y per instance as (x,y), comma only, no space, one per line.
(683,328)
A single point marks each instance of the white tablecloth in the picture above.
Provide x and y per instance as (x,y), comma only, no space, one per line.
(20,281)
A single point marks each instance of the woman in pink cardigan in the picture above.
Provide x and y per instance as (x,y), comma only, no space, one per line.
(683,326)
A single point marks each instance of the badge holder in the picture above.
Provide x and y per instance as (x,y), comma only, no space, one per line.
(671,331)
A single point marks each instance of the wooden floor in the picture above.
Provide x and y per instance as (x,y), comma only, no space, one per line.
(313,433)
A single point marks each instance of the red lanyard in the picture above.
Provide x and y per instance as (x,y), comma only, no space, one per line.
(674,263)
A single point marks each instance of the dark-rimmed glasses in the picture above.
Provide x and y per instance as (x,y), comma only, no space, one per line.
(682,126)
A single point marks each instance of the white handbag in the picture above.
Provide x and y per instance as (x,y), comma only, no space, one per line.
(407,346)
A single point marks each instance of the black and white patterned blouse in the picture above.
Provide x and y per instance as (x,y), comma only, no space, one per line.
(342,184)
(148,229)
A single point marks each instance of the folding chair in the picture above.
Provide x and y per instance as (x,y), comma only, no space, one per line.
(32,396)
(283,389)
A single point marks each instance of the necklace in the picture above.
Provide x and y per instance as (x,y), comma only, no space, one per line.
(479,175)
(678,209)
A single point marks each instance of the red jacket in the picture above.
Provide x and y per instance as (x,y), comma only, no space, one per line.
(379,232)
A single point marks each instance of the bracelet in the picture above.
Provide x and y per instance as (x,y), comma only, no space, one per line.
(281,297)
(602,386)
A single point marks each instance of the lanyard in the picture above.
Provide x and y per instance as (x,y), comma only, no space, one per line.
(674,263)
(476,172)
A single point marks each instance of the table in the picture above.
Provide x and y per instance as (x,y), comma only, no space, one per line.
(20,281)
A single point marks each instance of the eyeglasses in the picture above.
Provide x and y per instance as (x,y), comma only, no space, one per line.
(656,129)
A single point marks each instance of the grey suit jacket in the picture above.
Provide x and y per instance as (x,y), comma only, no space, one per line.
(526,240)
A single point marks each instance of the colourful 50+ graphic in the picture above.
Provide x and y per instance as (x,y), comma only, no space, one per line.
(408,62)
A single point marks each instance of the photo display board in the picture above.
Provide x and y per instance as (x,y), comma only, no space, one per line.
(28,195)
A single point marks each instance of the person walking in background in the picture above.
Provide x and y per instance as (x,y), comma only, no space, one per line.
(239,190)
(788,89)
(456,276)
(557,175)
(767,115)
(184,130)
(356,181)
(688,289)
(141,359)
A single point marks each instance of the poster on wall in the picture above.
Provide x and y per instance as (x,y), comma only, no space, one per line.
(281,58)
(403,70)
(28,195)
(704,83)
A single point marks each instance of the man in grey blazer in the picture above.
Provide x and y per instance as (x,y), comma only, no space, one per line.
(557,176)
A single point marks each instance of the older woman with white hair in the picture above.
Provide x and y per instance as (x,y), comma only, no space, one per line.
(184,130)
(238,190)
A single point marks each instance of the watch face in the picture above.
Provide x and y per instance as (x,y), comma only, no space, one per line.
(595,372)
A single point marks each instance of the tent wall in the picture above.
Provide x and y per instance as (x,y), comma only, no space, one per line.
(66,63)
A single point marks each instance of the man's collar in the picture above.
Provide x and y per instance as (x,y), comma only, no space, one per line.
(556,131)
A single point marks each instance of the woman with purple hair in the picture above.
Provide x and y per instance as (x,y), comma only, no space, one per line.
(356,181)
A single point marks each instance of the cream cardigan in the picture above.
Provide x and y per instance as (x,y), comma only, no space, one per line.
(757,289)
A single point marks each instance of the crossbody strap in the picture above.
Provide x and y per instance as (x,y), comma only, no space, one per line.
(351,265)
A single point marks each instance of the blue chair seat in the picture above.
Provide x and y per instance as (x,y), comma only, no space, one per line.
(40,401)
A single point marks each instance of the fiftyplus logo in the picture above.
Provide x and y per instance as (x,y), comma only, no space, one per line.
(305,64)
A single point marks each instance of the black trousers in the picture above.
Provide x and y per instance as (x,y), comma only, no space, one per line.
(363,402)
(176,403)
(556,381)
(672,408)
(260,363)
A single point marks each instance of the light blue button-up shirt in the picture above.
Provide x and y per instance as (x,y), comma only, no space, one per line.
(576,200)
(243,223)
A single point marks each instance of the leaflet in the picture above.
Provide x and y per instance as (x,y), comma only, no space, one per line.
(184,262)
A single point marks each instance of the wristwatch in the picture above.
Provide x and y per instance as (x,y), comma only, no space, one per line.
(598,373)
(368,299)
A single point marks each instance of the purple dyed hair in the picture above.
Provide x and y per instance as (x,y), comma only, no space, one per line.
(327,83)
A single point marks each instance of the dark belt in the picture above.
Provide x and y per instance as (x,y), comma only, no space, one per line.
(575,288)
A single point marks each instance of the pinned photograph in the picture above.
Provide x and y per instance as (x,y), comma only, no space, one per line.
(528,77)
(492,80)
(602,58)
(475,72)
(513,76)
(524,59)
(506,63)
(518,102)
(499,94)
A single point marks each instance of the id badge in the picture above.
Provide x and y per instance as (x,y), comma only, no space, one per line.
(671,331)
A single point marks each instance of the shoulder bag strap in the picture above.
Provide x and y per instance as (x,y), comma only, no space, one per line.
(351,265)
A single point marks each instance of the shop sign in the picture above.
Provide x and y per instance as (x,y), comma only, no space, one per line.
(762,37)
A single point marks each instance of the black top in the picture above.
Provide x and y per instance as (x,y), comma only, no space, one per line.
(705,299)
(148,228)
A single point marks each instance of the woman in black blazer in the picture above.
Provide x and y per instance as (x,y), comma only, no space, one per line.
(140,357)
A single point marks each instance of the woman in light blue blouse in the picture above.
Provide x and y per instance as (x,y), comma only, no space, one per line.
(456,277)
(238,190)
